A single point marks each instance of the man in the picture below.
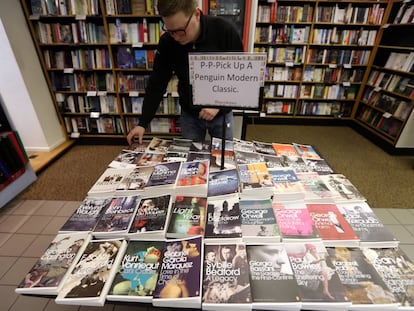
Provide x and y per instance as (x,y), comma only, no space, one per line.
(186,30)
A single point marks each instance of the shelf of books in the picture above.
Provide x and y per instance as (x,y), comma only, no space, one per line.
(386,105)
(274,228)
(97,56)
(318,54)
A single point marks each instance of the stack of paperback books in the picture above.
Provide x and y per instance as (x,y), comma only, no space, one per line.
(276,228)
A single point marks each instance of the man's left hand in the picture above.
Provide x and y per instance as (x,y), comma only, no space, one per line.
(208,113)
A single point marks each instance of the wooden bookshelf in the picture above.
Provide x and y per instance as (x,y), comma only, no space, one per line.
(96,57)
(387,100)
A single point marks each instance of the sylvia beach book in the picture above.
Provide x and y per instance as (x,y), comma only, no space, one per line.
(49,272)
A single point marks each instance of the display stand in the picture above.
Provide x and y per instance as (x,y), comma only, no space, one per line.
(227,80)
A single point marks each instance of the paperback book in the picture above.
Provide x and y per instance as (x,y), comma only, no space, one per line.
(255,181)
(151,218)
(48,274)
(270,268)
(163,178)
(258,221)
(125,159)
(187,217)
(179,282)
(135,181)
(295,163)
(370,230)
(138,272)
(319,285)
(158,145)
(286,185)
(226,282)
(397,271)
(264,148)
(295,222)
(223,220)
(89,281)
(117,217)
(318,166)
(149,158)
(223,182)
(345,191)
(85,217)
(193,178)
(332,227)
(306,151)
(315,188)
(108,182)
(364,286)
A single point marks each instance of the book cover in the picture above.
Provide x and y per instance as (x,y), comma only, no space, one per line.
(108,181)
(332,227)
(158,145)
(151,217)
(226,277)
(149,158)
(258,221)
(270,268)
(223,220)
(124,58)
(89,281)
(85,217)
(255,181)
(363,285)
(138,272)
(295,222)
(320,287)
(272,161)
(140,58)
(223,182)
(286,184)
(345,190)
(163,178)
(306,151)
(370,230)
(285,150)
(318,166)
(180,145)
(135,181)
(265,148)
(246,157)
(125,159)
(397,271)
(179,282)
(48,273)
(242,145)
(294,162)
(315,188)
(117,217)
(193,178)
(187,217)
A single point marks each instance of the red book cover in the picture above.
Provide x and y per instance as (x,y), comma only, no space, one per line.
(331,225)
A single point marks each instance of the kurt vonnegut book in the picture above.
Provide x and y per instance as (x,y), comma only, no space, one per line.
(179,282)
(138,272)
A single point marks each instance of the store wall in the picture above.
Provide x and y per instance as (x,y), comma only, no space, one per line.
(22,84)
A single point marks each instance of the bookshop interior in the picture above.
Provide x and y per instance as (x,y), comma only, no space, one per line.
(309,207)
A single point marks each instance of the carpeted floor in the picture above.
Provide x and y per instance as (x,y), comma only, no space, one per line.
(386,181)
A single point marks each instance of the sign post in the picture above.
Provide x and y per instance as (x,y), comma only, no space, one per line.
(227,80)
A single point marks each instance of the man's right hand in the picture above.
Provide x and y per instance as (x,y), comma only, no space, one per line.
(136,131)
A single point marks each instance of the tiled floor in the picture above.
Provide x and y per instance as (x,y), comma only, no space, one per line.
(27,227)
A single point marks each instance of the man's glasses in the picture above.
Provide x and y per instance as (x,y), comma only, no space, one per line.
(179,32)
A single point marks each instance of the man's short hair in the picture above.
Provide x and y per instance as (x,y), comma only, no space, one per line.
(171,7)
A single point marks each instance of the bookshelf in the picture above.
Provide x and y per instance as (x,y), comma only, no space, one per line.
(386,105)
(318,54)
(97,56)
